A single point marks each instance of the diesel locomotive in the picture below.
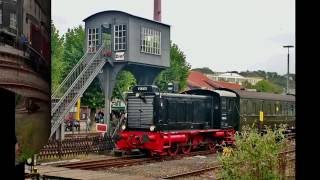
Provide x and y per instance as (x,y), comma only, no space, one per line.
(167,123)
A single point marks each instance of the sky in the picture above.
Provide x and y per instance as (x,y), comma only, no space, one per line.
(224,35)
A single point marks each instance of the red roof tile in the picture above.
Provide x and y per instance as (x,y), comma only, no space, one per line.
(199,80)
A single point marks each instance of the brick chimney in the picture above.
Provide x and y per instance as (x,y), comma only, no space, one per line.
(157,10)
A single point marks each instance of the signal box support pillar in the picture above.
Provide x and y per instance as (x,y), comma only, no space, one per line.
(145,75)
(107,80)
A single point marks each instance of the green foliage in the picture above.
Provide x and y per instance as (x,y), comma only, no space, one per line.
(247,85)
(56,57)
(125,80)
(273,77)
(204,70)
(256,156)
(267,86)
(93,96)
(177,72)
(73,48)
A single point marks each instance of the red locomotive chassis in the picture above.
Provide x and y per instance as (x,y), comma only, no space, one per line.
(171,142)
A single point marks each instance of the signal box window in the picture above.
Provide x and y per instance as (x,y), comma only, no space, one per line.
(93,39)
(120,34)
(150,41)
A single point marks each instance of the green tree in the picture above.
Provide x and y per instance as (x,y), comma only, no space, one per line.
(93,96)
(73,48)
(56,57)
(247,85)
(275,78)
(177,72)
(204,70)
(125,80)
(267,86)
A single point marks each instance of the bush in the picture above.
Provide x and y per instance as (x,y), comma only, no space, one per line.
(256,156)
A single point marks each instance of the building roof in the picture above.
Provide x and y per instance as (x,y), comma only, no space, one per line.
(199,80)
(121,12)
(231,75)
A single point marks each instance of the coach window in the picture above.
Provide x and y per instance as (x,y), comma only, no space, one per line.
(269,109)
(254,108)
(280,109)
(245,107)
(293,109)
(290,110)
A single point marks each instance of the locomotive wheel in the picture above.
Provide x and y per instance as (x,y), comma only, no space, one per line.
(173,150)
(211,147)
(186,148)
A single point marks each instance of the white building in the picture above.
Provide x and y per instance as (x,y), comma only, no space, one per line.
(234,78)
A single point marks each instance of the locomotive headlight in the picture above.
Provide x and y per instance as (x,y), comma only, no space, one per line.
(123,127)
(152,128)
(29,161)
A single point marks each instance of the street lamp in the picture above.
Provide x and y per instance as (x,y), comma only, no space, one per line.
(288,46)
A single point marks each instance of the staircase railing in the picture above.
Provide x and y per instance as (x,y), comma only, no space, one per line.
(81,77)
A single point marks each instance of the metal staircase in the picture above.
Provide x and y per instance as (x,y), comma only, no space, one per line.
(73,86)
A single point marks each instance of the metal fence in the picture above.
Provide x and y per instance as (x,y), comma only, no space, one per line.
(74,146)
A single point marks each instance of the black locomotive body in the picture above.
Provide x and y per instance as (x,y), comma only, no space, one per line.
(195,109)
(163,123)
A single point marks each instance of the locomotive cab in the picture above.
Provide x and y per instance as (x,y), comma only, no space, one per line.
(229,113)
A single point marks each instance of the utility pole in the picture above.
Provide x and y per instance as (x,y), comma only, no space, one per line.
(288,46)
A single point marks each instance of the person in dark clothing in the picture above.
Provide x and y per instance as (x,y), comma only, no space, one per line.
(19,166)
(23,43)
(101,116)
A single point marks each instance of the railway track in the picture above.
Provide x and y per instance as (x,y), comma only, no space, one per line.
(192,173)
(218,166)
(126,161)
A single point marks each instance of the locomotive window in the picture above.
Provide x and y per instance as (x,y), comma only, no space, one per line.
(231,104)
(223,103)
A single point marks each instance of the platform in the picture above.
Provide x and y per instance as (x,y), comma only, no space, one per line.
(55,172)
